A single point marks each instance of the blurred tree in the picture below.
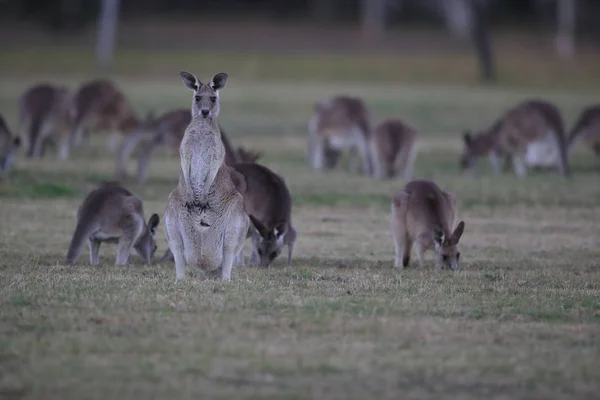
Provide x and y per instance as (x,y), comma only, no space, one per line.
(481,40)
(107,29)
(322,10)
(565,34)
(457,16)
(373,19)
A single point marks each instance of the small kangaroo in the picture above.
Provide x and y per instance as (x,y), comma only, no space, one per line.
(422,213)
(587,127)
(393,149)
(339,123)
(8,147)
(531,133)
(112,214)
(205,220)
(268,203)
(100,105)
(44,116)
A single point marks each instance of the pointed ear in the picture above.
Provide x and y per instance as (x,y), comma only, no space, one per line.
(468,139)
(262,230)
(280,229)
(190,80)
(17,141)
(457,233)
(438,235)
(153,223)
(218,81)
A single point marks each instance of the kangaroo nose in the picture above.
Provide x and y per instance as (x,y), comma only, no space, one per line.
(205,113)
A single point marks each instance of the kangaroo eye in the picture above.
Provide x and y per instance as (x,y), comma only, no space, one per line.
(198,98)
(260,252)
(445,257)
(213,99)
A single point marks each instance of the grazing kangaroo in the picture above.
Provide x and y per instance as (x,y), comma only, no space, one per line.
(44,116)
(338,124)
(205,221)
(422,213)
(587,128)
(393,149)
(268,203)
(100,105)
(8,147)
(531,133)
(112,214)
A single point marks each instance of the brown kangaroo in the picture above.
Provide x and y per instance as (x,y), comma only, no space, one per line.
(393,149)
(424,214)
(9,145)
(531,133)
(587,128)
(112,214)
(339,123)
(205,221)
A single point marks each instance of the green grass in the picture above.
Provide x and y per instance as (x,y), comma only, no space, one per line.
(521,319)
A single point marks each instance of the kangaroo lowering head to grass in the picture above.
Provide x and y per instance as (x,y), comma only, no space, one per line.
(423,214)
(112,214)
(531,133)
(393,149)
(8,147)
(268,203)
(205,220)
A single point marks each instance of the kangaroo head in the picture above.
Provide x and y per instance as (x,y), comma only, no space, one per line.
(268,242)
(206,97)
(146,245)
(446,248)
(475,146)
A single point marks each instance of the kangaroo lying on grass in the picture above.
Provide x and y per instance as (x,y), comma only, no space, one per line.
(112,214)
(205,221)
(8,147)
(422,213)
(393,149)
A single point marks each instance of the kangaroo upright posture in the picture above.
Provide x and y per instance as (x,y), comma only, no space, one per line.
(44,117)
(113,214)
(423,214)
(205,219)
(339,123)
(393,149)
(8,147)
(97,105)
(587,128)
(268,203)
(531,133)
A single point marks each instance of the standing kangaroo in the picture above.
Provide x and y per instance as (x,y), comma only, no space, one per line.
(422,213)
(113,214)
(587,127)
(531,133)
(338,124)
(205,220)
(44,116)
(8,147)
(268,203)
(393,149)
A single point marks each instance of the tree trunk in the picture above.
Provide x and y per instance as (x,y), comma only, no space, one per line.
(565,34)
(373,19)
(107,30)
(322,11)
(458,17)
(481,40)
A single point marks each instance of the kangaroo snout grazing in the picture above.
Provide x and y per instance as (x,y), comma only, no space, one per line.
(205,221)
(112,214)
(423,214)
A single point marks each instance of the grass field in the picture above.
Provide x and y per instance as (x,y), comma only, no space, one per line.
(521,319)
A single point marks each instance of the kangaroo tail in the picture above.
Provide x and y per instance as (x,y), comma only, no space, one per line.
(80,236)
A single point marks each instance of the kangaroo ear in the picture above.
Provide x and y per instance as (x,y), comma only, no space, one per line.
(468,139)
(218,81)
(190,80)
(457,232)
(262,230)
(153,223)
(280,229)
(438,235)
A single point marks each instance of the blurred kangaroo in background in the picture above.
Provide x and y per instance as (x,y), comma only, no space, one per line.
(587,128)
(423,214)
(44,118)
(9,145)
(112,214)
(268,203)
(393,149)
(531,133)
(100,105)
(339,123)
(205,221)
